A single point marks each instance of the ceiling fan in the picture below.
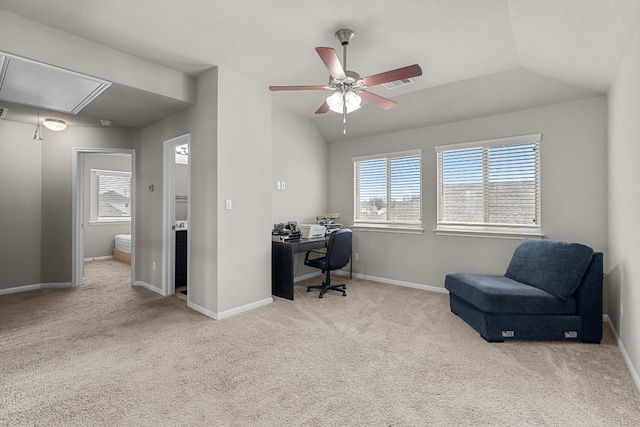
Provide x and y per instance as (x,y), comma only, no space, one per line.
(348,87)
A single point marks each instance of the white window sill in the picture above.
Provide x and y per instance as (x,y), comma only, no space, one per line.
(110,221)
(389,228)
(506,233)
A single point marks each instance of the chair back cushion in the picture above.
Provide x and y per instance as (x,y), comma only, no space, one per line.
(554,267)
(339,249)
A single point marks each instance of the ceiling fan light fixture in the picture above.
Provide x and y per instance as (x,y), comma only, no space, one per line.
(352,100)
(334,101)
(337,101)
(55,124)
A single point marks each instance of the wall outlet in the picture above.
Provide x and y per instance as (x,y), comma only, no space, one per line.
(278,185)
(621,309)
(154,266)
(356,256)
(283,185)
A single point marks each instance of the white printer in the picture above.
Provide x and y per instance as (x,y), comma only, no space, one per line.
(312,231)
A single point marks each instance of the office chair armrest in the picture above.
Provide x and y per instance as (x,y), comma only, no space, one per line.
(306,256)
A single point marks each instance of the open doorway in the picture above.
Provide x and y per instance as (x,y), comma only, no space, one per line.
(103,208)
(176,216)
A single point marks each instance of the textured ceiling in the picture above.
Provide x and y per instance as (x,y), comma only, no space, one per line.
(573,47)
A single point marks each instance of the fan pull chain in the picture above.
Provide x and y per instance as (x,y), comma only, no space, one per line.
(344,117)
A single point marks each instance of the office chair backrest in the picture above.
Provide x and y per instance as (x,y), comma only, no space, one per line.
(339,249)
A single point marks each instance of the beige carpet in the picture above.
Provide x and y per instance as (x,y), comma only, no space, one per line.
(109,354)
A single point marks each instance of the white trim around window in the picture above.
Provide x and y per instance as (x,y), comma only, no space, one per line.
(387,193)
(490,188)
(117,181)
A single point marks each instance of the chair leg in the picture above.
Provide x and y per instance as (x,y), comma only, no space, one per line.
(327,286)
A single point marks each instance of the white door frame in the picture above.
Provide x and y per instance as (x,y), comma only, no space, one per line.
(77,206)
(169,213)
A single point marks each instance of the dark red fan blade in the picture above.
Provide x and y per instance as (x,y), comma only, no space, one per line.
(393,75)
(323,108)
(316,87)
(332,62)
(377,100)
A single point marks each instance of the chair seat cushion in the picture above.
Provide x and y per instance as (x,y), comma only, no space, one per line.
(555,267)
(500,294)
(320,263)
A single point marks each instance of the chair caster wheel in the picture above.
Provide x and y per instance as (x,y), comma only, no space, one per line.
(344,294)
(321,296)
(308,290)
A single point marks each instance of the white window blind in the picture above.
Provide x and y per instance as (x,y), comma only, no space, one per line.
(388,188)
(114,194)
(490,186)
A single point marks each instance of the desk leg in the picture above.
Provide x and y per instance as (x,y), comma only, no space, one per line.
(282,271)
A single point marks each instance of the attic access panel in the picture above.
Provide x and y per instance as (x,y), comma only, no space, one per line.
(27,82)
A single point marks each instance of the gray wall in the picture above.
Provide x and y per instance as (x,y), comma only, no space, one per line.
(201,121)
(41,175)
(301,160)
(98,238)
(20,205)
(56,191)
(573,171)
(229,160)
(623,255)
(244,170)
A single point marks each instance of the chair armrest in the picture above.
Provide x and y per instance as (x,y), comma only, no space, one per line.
(306,256)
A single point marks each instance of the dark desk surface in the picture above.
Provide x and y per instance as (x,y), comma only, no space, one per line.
(302,244)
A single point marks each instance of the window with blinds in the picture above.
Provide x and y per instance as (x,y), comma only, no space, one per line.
(490,186)
(114,194)
(388,188)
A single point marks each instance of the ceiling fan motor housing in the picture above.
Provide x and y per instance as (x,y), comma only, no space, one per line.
(352,82)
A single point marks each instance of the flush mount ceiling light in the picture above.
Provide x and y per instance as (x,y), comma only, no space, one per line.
(55,124)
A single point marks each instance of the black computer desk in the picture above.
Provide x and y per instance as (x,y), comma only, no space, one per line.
(282,263)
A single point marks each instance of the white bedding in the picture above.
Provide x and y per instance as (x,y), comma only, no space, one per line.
(123,242)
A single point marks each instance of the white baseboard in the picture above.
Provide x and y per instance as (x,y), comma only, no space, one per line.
(307,276)
(231,312)
(98,258)
(202,310)
(55,285)
(19,289)
(28,288)
(148,286)
(396,282)
(243,308)
(625,355)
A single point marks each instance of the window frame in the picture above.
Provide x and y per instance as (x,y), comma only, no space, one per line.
(411,227)
(95,218)
(512,231)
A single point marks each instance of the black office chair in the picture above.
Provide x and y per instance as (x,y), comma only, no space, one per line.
(337,256)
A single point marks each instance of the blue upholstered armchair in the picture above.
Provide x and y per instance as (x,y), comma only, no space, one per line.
(550,291)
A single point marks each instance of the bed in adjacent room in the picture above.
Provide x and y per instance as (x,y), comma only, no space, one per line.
(122,248)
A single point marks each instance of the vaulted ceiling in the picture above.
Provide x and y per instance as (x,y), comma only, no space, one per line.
(477,56)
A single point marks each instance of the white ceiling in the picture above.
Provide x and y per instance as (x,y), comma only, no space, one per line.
(505,50)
